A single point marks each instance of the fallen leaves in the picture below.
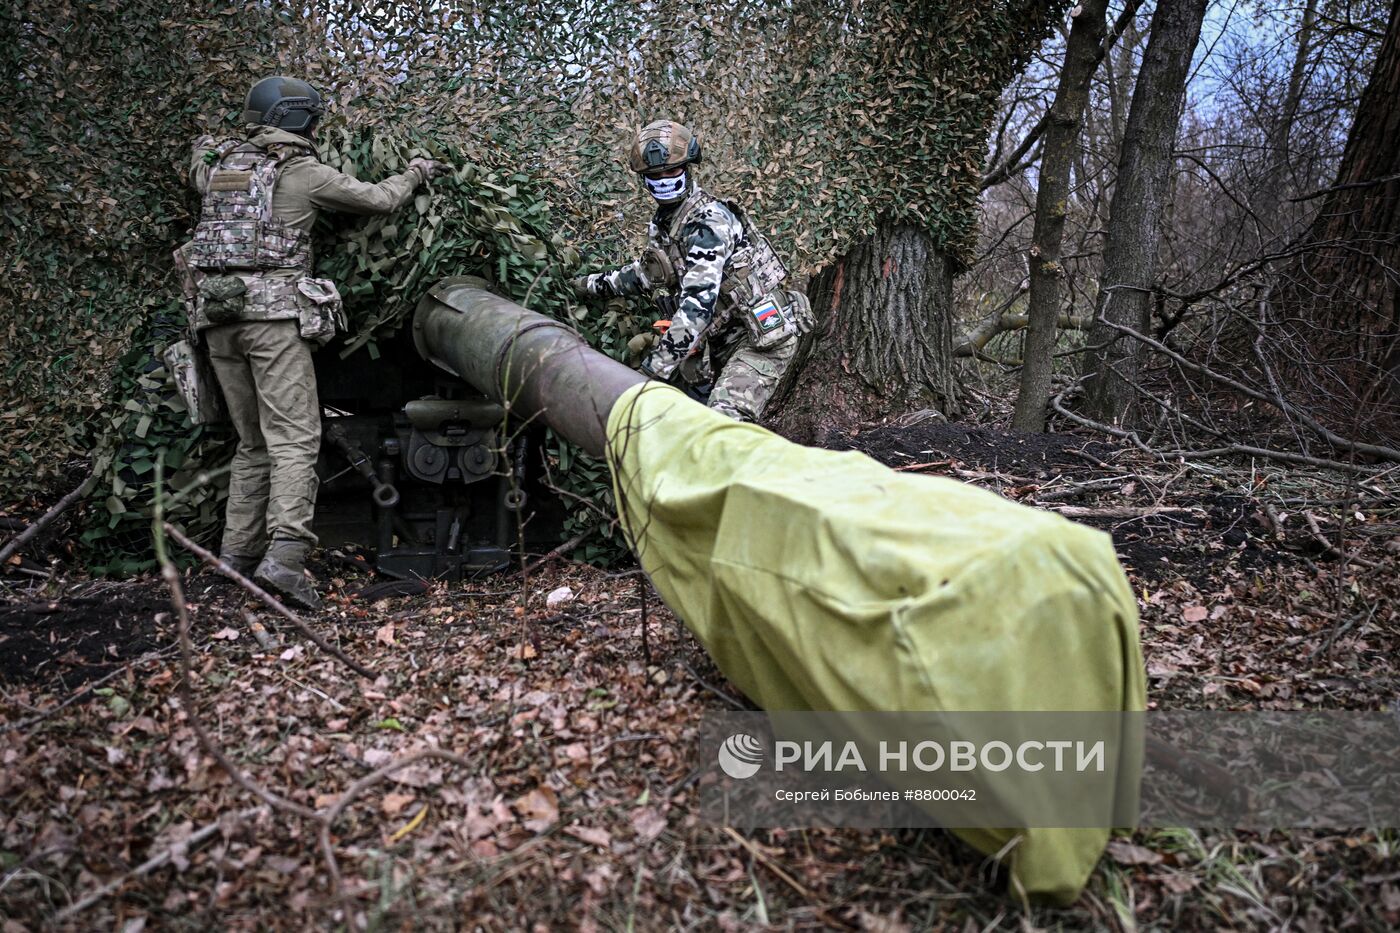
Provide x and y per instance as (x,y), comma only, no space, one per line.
(1127,853)
(539,809)
(392,804)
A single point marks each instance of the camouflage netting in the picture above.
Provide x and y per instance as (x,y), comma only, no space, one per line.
(824,117)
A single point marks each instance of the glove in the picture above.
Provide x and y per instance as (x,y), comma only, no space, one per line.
(639,345)
(582,286)
(429,168)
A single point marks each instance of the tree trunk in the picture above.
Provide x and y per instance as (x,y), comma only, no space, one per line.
(1139,197)
(1277,149)
(1082,53)
(1348,287)
(883,344)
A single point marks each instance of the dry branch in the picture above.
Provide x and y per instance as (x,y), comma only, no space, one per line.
(1332,548)
(1123,511)
(1331,437)
(267,599)
(28,534)
(980,336)
(152,863)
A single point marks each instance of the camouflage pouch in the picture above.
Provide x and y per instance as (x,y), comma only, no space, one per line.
(771,320)
(321,314)
(801,312)
(222,298)
(195,382)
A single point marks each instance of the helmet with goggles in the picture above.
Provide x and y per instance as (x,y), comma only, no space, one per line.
(662,147)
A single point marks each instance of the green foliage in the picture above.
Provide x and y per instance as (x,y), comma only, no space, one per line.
(151,425)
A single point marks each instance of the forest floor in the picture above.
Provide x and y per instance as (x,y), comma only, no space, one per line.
(572,803)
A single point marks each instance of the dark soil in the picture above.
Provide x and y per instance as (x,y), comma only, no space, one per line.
(986,447)
(79,638)
(1221,533)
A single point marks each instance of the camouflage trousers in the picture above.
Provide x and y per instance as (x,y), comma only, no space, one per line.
(265,372)
(748,378)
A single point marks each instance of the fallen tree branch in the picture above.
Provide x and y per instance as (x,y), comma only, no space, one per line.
(1122,511)
(1331,437)
(1235,450)
(559,551)
(267,599)
(152,863)
(43,521)
(1332,548)
(982,334)
(1057,402)
(86,690)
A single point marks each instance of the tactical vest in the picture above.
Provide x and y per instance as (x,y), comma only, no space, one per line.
(237,231)
(753,270)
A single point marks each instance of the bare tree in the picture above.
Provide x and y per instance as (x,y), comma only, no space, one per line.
(1348,287)
(1061,141)
(1139,198)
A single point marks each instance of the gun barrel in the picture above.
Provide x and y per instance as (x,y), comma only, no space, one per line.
(533,365)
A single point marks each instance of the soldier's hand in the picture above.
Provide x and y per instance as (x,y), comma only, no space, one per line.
(582,286)
(640,345)
(429,168)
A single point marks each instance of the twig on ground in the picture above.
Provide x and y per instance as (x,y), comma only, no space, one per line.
(184,685)
(329,816)
(1332,548)
(1123,511)
(644,584)
(762,858)
(152,863)
(87,689)
(559,551)
(43,521)
(267,599)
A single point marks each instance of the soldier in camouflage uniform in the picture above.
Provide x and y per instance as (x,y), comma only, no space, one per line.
(720,277)
(257,311)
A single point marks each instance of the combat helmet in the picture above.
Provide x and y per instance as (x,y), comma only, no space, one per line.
(663,145)
(285,103)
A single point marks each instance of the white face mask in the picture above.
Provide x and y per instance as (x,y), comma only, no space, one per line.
(666,190)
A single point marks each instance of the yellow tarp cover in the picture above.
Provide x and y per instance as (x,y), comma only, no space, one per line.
(822,580)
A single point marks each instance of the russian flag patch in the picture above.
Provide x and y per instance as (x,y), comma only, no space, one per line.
(767,315)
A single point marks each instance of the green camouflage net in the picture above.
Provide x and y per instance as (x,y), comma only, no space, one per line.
(475,221)
(823,118)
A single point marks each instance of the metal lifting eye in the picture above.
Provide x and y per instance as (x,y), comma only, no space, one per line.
(655,153)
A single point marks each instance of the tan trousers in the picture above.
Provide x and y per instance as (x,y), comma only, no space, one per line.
(265,371)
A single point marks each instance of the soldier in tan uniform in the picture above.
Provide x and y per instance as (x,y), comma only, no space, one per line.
(255,306)
(716,278)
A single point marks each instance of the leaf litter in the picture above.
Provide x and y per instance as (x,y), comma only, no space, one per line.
(579,809)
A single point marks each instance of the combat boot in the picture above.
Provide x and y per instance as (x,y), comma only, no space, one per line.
(240,562)
(283,571)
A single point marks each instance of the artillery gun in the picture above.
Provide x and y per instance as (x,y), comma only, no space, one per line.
(436,456)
